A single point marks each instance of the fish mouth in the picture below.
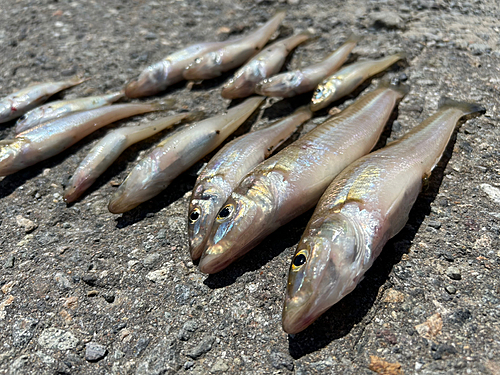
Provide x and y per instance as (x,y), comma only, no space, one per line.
(196,246)
(140,88)
(216,261)
(122,201)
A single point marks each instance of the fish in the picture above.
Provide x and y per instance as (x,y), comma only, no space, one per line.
(175,154)
(49,139)
(18,103)
(266,63)
(226,169)
(157,77)
(109,148)
(62,108)
(347,79)
(292,181)
(365,206)
(233,53)
(297,82)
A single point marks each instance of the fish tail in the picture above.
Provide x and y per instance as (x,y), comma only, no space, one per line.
(395,85)
(466,107)
(195,116)
(164,105)
(353,38)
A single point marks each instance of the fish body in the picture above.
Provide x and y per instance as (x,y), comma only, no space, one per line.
(265,64)
(233,54)
(347,79)
(60,108)
(297,82)
(49,139)
(17,104)
(226,169)
(157,77)
(176,153)
(292,181)
(109,148)
(366,205)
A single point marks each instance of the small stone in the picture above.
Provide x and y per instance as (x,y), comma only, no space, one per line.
(188,365)
(203,347)
(431,327)
(151,260)
(219,366)
(479,49)
(95,352)
(19,365)
(142,344)
(451,289)
(28,225)
(461,44)
(9,262)
(187,330)
(158,276)
(293,2)
(453,273)
(22,331)
(493,192)
(151,36)
(281,361)
(109,297)
(62,281)
(388,20)
(162,234)
(435,224)
(54,338)
(70,72)
(162,359)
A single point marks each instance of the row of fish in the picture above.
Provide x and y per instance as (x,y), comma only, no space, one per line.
(240,197)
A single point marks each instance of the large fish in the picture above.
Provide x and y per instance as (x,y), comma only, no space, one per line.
(265,64)
(297,82)
(366,205)
(226,169)
(49,139)
(176,153)
(233,54)
(61,108)
(292,181)
(109,148)
(17,104)
(157,77)
(346,80)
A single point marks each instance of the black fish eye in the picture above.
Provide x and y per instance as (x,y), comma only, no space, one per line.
(225,212)
(299,259)
(23,117)
(194,215)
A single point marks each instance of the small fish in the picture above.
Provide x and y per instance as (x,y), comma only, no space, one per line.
(49,139)
(108,149)
(292,181)
(346,80)
(226,169)
(289,84)
(60,108)
(234,53)
(265,64)
(17,104)
(157,77)
(366,205)
(176,153)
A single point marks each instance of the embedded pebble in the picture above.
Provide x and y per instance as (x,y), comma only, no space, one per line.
(281,361)
(453,273)
(23,331)
(451,289)
(54,338)
(28,225)
(95,352)
(203,347)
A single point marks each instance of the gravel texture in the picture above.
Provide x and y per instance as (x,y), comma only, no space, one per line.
(87,292)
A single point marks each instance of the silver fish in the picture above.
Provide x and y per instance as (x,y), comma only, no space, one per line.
(60,108)
(297,82)
(346,80)
(366,205)
(265,64)
(49,139)
(176,153)
(17,104)
(157,77)
(109,148)
(292,181)
(234,53)
(226,169)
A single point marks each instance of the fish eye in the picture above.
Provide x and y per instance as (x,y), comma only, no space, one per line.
(194,215)
(23,117)
(225,212)
(299,259)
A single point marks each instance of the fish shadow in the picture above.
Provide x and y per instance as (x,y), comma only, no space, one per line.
(355,308)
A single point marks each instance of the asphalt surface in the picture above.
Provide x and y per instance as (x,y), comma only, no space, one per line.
(84,291)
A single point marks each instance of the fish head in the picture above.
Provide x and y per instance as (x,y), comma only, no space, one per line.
(203,209)
(283,85)
(151,81)
(324,94)
(207,66)
(11,151)
(321,271)
(238,227)
(244,81)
